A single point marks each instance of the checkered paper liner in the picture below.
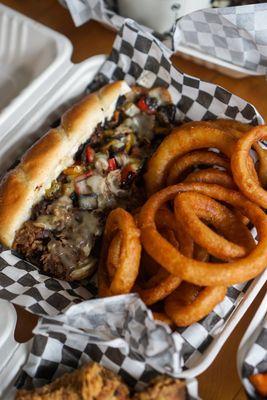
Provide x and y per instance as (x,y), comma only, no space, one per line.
(234,34)
(117,332)
(138,57)
(237,35)
(255,360)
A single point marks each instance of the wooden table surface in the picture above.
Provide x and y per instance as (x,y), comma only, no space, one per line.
(220,380)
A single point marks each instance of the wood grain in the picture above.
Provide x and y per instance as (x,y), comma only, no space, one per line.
(220,381)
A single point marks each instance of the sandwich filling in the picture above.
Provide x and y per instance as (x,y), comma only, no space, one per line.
(61,235)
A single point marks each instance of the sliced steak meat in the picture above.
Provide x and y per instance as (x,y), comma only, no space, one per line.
(52,264)
(40,208)
(60,241)
(30,240)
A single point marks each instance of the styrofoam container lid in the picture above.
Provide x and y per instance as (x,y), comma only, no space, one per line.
(8,318)
(12,354)
(31,55)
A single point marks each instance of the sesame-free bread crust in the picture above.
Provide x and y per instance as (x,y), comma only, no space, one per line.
(25,185)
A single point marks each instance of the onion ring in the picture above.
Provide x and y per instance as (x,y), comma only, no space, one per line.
(232,126)
(114,254)
(262,163)
(244,180)
(127,266)
(181,141)
(212,175)
(166,219)
(148,266)
(201,157)
(160,290)
(201,273)
(200,254)
(237,129)
(262,167)
(163,283)
(185,309)
(161,316)
(191,208)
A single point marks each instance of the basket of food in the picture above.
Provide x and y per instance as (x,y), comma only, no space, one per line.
(133,225)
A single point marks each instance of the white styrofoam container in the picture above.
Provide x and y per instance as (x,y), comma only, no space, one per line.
(36,121)
(12,354)
(31,55)
(251,334)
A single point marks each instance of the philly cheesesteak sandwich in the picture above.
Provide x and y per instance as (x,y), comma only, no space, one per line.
(54,203)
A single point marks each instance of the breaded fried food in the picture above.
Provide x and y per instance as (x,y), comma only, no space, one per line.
(259,381)
(91,382)
(162,388)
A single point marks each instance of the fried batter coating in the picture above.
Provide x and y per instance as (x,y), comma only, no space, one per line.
(91,382)
(162,388)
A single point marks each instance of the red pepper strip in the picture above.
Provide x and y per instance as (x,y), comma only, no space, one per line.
(142,104)
(90,154)
(144,107)
(84,176)
(112,164)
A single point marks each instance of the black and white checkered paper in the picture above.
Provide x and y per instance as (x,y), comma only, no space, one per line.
(255,360)
(117,332)
(125,343)
(237,35)
(234,34)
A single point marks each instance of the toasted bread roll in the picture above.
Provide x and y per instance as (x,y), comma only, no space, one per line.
(25,185)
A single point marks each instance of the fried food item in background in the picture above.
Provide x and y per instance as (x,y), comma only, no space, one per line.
(91,382)
(94,382)
(259,381)
(120,256)
(161,388)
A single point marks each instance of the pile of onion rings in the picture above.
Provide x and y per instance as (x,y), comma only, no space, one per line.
(192,239)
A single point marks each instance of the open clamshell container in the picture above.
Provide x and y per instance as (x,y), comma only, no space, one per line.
(31,59)
(35,121)
(12,354)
